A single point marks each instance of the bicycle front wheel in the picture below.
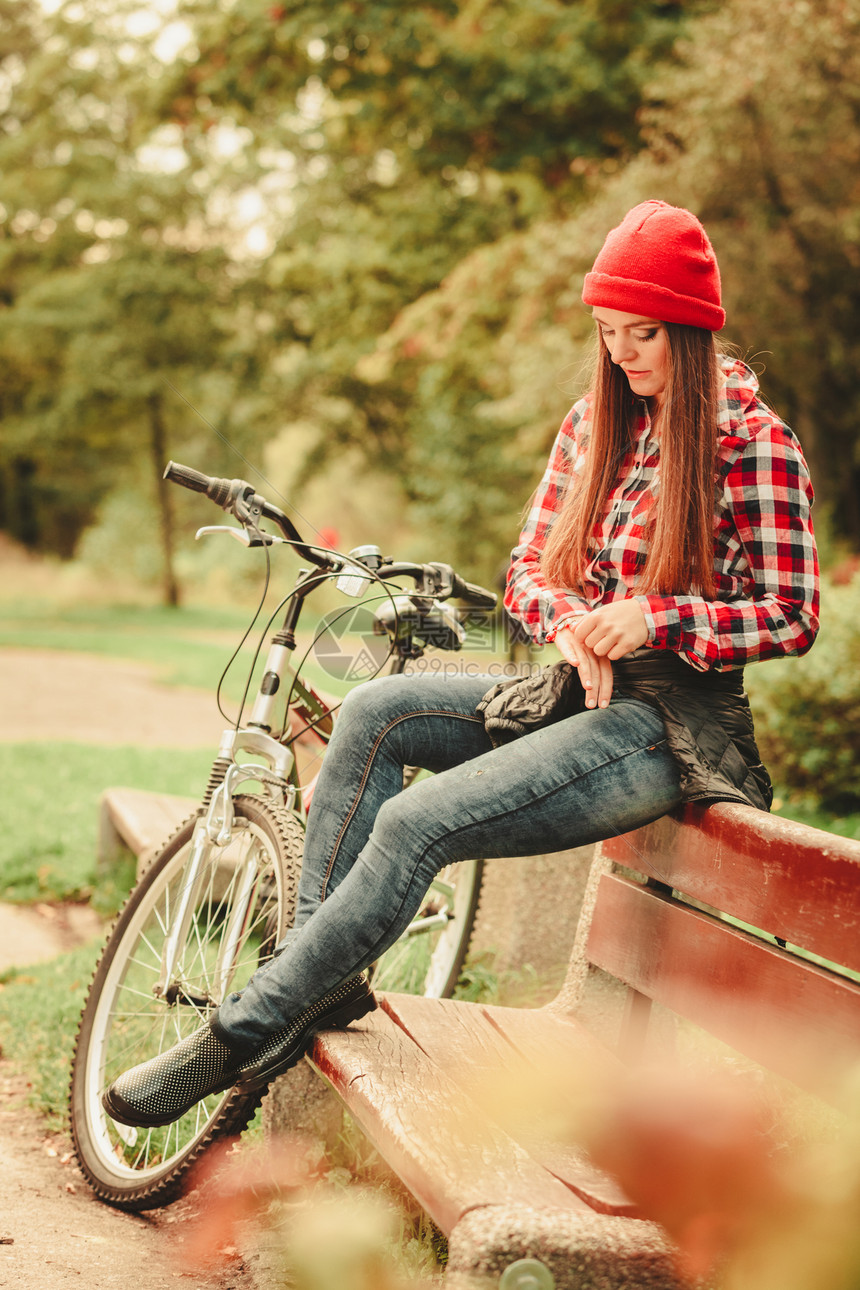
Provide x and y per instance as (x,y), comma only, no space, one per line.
(244,900)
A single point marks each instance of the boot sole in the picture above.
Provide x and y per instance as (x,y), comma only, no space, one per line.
(261,1077)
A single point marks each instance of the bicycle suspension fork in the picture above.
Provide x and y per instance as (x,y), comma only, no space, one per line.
(213,832)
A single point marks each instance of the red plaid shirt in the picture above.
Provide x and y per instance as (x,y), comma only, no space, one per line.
(765,562)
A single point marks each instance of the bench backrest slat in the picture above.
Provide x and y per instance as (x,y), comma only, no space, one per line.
(797,883)
(793,1017)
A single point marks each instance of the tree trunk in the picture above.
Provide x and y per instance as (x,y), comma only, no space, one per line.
(158,448)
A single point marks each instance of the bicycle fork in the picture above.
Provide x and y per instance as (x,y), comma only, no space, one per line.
(168,986)
(212,834)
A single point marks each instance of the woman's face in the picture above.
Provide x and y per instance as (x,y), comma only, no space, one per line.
(640,347)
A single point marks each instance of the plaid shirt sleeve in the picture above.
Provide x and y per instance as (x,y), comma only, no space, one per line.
(765,562)
(529,598)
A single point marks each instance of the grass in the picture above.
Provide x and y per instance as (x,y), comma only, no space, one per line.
(51,793)
(481,981)
(40,1007)
(191,646)
(39,1011)
(845,826)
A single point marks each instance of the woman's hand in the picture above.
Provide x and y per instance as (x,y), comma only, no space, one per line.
(605,634)
(595,673)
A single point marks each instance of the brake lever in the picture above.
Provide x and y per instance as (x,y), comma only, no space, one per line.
(242,535)
(441,580)
(248,507)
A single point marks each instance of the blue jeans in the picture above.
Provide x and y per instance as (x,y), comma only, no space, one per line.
(373,849)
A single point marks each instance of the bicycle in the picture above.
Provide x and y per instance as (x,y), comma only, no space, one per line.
(213,903)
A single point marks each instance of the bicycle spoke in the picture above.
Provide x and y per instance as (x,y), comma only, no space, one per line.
(444,888)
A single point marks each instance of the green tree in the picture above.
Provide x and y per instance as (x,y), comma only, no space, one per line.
(758,131)
(774,168)
(118,281)
(411,136)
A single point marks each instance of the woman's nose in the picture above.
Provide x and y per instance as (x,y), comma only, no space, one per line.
(621,347)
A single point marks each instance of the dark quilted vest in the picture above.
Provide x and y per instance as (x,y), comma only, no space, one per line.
(709,726)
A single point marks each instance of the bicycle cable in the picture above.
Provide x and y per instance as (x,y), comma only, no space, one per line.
(389,589)
(329,623)
(266,584)
(247,633)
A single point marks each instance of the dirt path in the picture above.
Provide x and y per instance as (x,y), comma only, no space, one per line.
(45,694)
(53,1233)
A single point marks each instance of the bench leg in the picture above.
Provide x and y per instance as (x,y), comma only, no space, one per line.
(577,1250)
(299,1103)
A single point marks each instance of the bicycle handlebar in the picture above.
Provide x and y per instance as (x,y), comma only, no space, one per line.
(473,594)
(219,490)
(441,582)
(436,579)
(238,496)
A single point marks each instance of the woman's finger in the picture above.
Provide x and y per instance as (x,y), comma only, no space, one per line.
(605,682)
(596,677)
(567,646)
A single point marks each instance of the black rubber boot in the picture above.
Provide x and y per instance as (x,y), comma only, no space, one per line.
(163,1089)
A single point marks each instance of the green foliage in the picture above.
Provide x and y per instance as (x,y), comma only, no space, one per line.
(187,647)
(807,710)
(844,825)
(481,981)
(416,136)
(767,147)
(429,184)
(737,130)
(117,281)
(511,87)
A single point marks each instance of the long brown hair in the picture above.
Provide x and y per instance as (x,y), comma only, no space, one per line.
(681,526)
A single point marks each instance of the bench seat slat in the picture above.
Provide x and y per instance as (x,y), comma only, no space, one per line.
(432,1135)
(143,820)
(792,881)
(495,1052)
(793,1017)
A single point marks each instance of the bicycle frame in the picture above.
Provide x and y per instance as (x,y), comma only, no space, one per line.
(278,775)
(410,621)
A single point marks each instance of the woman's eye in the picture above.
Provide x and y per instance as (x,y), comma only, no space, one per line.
(649,335)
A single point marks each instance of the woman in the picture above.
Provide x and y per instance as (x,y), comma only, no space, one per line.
(668,544)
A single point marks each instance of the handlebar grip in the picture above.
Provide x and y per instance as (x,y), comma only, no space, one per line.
(478,596)
(219,490)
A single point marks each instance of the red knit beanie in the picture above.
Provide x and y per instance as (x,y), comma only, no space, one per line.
(658,262)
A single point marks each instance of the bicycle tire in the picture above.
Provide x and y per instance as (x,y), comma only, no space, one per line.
(254,879)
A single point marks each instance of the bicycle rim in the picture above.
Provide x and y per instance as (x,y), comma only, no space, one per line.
(245,899)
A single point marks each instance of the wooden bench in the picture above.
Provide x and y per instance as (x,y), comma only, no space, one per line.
(138,821)
(414,1073)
